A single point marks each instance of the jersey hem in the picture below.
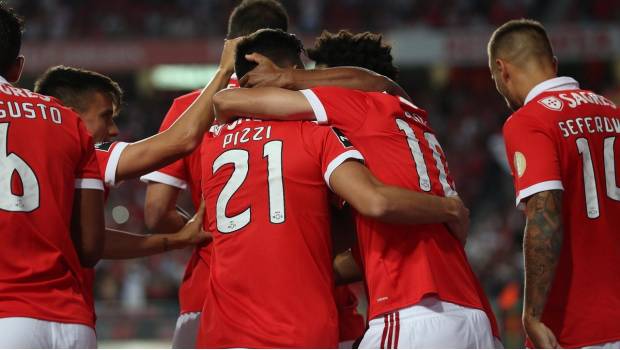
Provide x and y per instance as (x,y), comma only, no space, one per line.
(537,188)
(49,319)
(592,343)
(112,164)
(165,179)
(317,106)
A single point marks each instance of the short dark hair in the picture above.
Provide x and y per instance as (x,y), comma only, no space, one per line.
(10,37)
(69,85)
(520,39)
(252,15)
(366,50)
(282,48)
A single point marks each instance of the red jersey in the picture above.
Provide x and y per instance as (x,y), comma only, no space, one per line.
(108,155)
(402,263)
(45,154)
(267,202)
(565,138)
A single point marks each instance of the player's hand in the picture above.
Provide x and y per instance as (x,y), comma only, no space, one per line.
(541,336)
(227,61)
(192,233)
(265,74)
(460,226)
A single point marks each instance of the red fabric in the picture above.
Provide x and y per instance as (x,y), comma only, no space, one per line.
(271,280)
(583,306)
(350,321)
(402,263)
(39,266)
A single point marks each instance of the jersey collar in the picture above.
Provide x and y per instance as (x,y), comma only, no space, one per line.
(2,80)
(555,84)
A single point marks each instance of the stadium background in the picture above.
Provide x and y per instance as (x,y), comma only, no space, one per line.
(160,49)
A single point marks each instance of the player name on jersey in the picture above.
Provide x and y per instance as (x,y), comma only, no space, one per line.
(590,125)
(27,109)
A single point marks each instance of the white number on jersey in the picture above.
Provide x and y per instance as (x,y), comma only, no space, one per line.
(591,193)
(10,163)
(418,158)
(272,151)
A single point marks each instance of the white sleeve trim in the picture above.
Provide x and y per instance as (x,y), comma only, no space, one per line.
(317,106)
(89,184)
(352,154)
(539,187)
(165,179)
(110,168)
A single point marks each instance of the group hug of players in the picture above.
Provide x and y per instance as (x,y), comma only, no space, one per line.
(279,167)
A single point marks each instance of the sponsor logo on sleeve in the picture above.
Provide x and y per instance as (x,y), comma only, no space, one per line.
(343,139)
(520,163)
(553,103)
(104,146)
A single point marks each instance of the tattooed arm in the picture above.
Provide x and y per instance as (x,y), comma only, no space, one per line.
(541,248)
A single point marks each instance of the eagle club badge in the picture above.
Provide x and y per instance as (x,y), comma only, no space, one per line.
(553,103)
(520,163)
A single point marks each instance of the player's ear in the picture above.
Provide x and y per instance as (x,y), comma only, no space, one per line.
(502,69)
(555,64)
(15,72)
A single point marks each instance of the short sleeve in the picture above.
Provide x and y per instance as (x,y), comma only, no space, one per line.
(331,147)
(532,155)
(345,109)
(87,174)
(175,173)
(108,156)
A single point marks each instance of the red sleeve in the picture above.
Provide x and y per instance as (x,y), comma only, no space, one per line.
(108,155)
(173,174)
(331,147)
(87,174)
(345,109)
(532,155)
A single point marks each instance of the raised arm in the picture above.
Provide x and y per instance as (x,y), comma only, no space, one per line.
(184,135)
(542,245)
(268,102)
(356,184)
(126,245)
(267,74)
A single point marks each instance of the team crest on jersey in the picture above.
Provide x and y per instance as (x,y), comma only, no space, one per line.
(343,139)
(553,103)
(520,163)
(103,146)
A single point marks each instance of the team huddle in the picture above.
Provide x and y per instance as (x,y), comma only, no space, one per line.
(304,181)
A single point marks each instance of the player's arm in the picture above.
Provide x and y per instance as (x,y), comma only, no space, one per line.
(268,103)
(160,212)
(268,74)
(87,225)
(542,245)
(126,245)
(346,269)
(184,135)
(356,184)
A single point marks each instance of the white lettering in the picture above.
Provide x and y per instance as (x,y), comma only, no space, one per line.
(579,123)
(588,126)
(569,123)
(599,124)
(571,102)
(578,98)
(565,132)
(608,126)
(29,111)
(244,137)
(56,115)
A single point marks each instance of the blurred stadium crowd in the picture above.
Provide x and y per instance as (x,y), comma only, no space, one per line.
(137,299)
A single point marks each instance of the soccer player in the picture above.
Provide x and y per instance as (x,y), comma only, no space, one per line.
(266,184)
(561,142)
(166,183)
(422,291)
(51,212)
(98,99)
